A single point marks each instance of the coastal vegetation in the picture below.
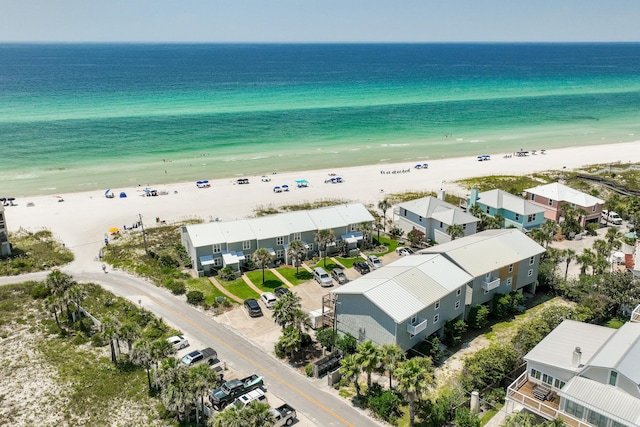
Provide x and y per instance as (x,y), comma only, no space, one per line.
(34,251)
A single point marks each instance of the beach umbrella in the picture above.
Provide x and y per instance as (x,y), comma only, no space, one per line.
(3,199)
(107,192)
(198,182)
(205,181)
(10,199)
(113,229)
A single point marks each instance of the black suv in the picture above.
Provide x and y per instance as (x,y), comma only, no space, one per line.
(281,291)
(338,275)
(252,307)
(361,267)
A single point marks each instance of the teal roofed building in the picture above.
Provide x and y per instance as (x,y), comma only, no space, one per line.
(516,211)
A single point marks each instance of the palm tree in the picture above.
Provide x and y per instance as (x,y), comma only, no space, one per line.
(601,247)
(284,310)
(569,255)
(366,229)
(455,231)
(323,238)
(368,354)
(259,414)
(384,205)
(77,294)
(539,236)
(350,368)
(59,283)
(141,355)
(175,393)
(130,331)
(263,258)
(477,211)
(297,252)
(202,379)
(111,330)
(290,340)
(613,237)
(585,260)
(51,304)
(550,228)
(390,356)
(415,377)
(160,350)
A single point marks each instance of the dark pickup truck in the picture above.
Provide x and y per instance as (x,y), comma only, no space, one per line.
(227,393)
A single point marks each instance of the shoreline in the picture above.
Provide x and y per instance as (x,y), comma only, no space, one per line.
(82,220)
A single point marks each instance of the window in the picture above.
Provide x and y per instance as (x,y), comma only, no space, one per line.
(440,224)
(354,227)
(530,273)
(414,319)
(217,262)
(458,292)
(509,281)
(613,378)
(533,197)
(517,217)
(486,291)
(279,254)
(531,218)
(488,209)
(535,374)
(597,419)
(550,202)
(404,212)
(297,236)
(574,409)
(436,318)
(532,260)
(510,268)
(457,304)
(310,246)
(217,248)
(593,209)
(280,240)
(464,226)
(246,245)
(437,305)
(547,379)
(420,219)
(558,383)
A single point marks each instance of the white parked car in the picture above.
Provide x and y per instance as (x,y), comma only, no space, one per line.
(403,251)
(374,262)
(178,342)
(269,299)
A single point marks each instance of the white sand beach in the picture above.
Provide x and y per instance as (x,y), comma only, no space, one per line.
(82,220)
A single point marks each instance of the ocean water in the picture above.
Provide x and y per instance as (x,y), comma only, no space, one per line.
(92,116)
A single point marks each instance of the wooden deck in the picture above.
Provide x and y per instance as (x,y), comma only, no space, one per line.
(522,392)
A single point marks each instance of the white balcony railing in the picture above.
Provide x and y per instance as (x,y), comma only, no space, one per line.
(417,327)
(490,284)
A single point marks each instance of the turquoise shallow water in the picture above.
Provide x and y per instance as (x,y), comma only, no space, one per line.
(79,117)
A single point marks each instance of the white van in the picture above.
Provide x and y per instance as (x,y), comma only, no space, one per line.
(256,395)
(611,217)
(322,277)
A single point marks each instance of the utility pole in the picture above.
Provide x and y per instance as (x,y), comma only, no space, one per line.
(144,235)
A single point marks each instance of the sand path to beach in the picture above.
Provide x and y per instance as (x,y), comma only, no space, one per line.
(82,220)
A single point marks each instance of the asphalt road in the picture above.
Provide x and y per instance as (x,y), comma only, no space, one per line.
(319,406)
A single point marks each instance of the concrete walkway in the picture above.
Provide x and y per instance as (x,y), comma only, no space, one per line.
(224,290)
(251,285)
(338,263)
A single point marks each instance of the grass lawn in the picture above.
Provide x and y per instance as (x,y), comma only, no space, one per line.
(239,288)
(347,262)
(270,280)
(294,278)
(34,252)
(205,286)
(330,264)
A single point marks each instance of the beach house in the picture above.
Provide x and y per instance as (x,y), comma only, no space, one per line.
(433,216)
(412,298)
(553,196)
(516,211)
(216,245)
(5,245)
(583,374)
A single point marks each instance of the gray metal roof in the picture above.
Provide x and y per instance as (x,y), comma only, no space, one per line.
(621,352)
(556,349)
(500,199)
(489,250)
(604,399)
(408,285)
(432,207)
(560,192)
(277,225)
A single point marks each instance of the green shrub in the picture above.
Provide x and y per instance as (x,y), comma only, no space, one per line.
(478,316)
(308,370)
(176,287)
(195,297)
(453,332)
(227,273)
(348,344)
(384,404)
(98,340)
(40,291)
(279,350)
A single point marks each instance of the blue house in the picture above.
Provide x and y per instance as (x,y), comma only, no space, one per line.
(516,211)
